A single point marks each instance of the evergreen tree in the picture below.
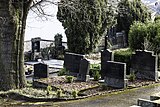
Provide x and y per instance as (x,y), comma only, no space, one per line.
(84,22)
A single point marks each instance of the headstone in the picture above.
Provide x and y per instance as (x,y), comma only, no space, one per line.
(35,44)
(147,103)
(115,74)
(72,62)
(83,74)
(144,64)
(36,48)
(41,70)
(106,55)
(121,39)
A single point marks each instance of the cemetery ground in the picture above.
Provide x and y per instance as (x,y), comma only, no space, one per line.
(46,88)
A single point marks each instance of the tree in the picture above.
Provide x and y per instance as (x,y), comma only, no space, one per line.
(130,11)
(13,15)
(84,22)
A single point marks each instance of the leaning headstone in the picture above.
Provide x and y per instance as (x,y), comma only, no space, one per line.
(145,65)
(106,55)
(83,74)
(72,62)
(41,70)
(115,74)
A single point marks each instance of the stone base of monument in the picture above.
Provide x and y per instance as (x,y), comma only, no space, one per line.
(81,77)
(116,83)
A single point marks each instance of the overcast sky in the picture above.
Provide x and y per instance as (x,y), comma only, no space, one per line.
(44,29)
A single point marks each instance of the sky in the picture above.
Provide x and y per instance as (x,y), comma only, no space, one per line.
(45,29)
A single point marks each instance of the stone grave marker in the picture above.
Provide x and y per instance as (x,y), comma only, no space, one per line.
(106,55)
(115,75)
(144,65)
(83,74)
(41,70)
(72,62)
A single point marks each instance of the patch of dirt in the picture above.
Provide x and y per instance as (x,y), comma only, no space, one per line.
(60,82)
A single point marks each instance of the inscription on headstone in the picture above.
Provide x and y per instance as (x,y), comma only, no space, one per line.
(41,70)
(144,64)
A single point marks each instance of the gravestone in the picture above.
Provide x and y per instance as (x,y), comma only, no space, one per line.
(83,74)
(121,39)
(36,48)
(35,44)
(72,62)
(147,103)
(115,75)
(41,70)
(106,55)
(144,64)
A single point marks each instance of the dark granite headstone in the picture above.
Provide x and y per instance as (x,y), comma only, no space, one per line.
(35,44)
(83,74)
(144,64)
(41,70)
(106,55)
(115,74)
(72,62)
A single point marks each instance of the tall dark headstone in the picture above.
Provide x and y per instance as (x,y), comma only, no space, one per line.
(41,71)
(115,74)
(83,74)
(72,62)
(145,65)
(35,44)
(36,48)
(106,55)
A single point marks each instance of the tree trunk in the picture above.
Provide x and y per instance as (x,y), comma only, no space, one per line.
(13,16)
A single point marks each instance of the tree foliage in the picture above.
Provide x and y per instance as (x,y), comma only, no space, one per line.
(130,11)
(145,36)
(84,22)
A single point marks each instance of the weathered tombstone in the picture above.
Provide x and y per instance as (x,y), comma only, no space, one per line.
(115,75)
(72,62)
(41,70)
(144,64)
(83,74)
(106,55)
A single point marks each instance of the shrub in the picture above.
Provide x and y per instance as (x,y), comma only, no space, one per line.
(137,33)
(59,93)
(49,90)
(132,77)
(125,57)
(62,72)
(74,93)
(94,68)
(96,75)
(69,79)
(104,87)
